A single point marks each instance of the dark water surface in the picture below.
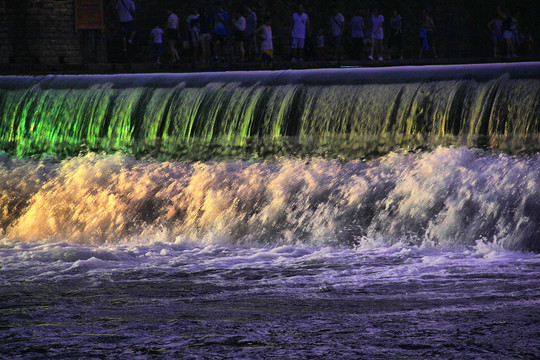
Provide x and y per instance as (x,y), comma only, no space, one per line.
(175,301)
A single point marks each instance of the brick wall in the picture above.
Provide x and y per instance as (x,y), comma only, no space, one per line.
(39,31)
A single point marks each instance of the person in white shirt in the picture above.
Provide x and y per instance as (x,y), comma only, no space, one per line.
(267,45)
(157,38)
(337,22)
(300,28)
(377,34)
(193,16)
(173,35)
(126,16)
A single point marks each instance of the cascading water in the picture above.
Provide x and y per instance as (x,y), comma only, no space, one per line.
(354,213)
(345,113)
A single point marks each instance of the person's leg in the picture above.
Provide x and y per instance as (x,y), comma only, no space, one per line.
(294,49)
(131,31)
(124,33)
(223,46)
(373,40)
(360,48)
(203,51)
(431,42)
(160,53)
(241,50)
(208,50)
(215,47)
(195,57)
(392,40)
(338,47)
(509,47)
(172,48)
(400,46)
(254,47)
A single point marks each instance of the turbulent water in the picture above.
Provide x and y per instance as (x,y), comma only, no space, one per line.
(124,236)
(448,197)
(409,255)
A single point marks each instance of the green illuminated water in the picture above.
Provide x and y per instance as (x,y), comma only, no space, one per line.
(347,113)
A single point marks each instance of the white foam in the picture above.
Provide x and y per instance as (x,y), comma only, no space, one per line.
(446,198)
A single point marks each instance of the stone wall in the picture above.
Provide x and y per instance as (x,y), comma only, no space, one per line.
(39,31)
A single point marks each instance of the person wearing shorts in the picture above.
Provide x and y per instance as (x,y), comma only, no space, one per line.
(319,47)
(427,36)
(377,34)
(126,10)
(507,33)
(300,27)
(250,40)
(204,37)
(267,47)
(495,28)
(239,29)
(337,22)
(396,34)
(220,17)
(194,34)
(157,39)
(172,35)
(357,34)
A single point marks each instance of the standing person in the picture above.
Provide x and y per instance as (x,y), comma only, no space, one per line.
(267,46)
(172,35)
(357,33)
(220,18)
(204,37)
(300,27)
(193,16)
(526,39)
(250,40)
(319,48)
(239,29)
(396,33)
(337,22)
(507,32)
(195,39)
(377,34)
(126,16)
(157,39)
(427,34)
(495,27)
(515,31)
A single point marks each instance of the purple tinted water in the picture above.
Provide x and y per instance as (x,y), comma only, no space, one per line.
(407,256)
(218,301)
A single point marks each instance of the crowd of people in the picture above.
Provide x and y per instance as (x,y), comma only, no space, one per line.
(507,34)
(215,35)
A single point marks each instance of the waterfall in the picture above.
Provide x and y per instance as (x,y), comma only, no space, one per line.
(346,113)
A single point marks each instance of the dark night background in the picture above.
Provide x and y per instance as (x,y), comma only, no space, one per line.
(43,31)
